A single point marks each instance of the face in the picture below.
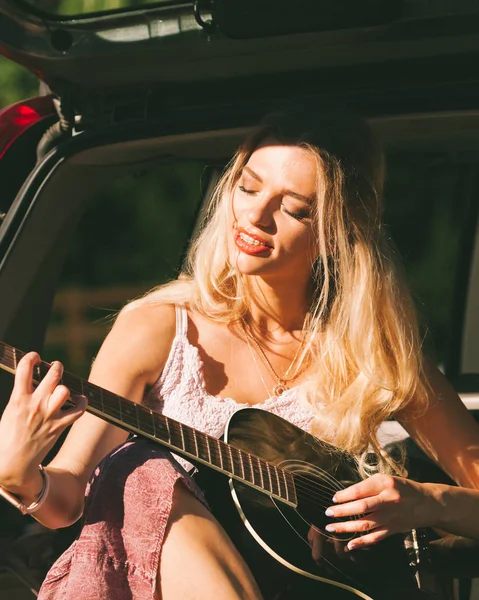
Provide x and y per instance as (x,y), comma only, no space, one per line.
(272,232)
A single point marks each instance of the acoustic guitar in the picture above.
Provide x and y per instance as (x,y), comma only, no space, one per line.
(281,480)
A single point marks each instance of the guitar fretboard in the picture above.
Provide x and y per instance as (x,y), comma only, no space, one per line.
(184,440)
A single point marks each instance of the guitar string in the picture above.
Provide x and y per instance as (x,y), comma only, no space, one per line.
(312,487)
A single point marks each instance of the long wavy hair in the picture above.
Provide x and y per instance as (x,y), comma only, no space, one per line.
(364,348)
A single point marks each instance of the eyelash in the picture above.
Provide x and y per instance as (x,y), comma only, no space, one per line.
(297,216)
(245,191)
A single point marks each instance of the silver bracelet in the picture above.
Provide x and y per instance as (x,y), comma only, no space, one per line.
(34,506)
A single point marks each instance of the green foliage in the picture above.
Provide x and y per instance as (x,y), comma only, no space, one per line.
(136,230)
(16,83)
(79,7)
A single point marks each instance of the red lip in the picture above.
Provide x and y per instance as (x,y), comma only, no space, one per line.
(249,248)
(254,236)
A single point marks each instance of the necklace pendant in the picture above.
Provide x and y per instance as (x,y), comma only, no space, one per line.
(279,389)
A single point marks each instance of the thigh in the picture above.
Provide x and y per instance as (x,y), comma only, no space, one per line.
(198,560)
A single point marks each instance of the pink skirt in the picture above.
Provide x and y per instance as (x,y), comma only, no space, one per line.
(127,508)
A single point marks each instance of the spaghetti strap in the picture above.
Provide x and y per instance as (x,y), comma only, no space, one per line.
(181,320)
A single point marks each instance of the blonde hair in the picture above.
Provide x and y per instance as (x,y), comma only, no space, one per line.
(364,346)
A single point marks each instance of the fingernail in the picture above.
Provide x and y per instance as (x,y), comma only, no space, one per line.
(351,546)
(334,499)
(330,527)
(329,512)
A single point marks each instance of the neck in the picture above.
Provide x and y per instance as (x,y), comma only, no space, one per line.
(277,308)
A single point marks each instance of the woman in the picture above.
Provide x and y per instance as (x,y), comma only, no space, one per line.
(290,302)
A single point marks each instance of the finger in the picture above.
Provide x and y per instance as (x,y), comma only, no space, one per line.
(51,379)
(69,415)
(56,400)
(357,507)
(353,526)
(369,539)
(24,373)
(368,487)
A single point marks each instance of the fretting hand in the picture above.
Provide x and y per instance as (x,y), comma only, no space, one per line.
(31,423)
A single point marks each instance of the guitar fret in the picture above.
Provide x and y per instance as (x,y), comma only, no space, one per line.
(253,481)
(15,361)
(265,470)
(197,453)
(176,434)
(144,419)
(246,466)
(127,415)
(220,453)
(241,463)
(290,499)
(203,446)
(228,459)
(208,448)
(237,462)
(230,452)
(167,423)
(260,472)
(275,487)
(269,477)
(215,455)
(182,436)
(282,493)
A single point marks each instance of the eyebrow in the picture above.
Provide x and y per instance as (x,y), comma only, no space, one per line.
(300,197)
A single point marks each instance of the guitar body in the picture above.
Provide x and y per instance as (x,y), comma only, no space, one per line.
(272,536)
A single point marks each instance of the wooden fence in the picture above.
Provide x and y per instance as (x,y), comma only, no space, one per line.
(81,318)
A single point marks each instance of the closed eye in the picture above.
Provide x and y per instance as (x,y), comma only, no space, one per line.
(246,191)
(300,216)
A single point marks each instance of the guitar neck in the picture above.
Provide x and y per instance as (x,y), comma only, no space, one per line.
(182,439)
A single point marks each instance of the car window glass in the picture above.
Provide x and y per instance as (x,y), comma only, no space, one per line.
(131,238)
(426,197)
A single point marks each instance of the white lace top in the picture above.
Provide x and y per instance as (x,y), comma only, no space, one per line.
(180,392)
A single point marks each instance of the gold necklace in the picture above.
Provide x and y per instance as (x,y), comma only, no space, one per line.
(281,382)
(268,393)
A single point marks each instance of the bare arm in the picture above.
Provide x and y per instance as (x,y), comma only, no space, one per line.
(446,431)
(131,358)
(385,505)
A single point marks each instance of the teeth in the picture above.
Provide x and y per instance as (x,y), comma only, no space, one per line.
(250,240)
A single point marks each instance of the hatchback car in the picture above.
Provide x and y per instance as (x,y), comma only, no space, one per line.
(141,106)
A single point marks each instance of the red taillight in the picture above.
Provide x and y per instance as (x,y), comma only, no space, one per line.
(15,119)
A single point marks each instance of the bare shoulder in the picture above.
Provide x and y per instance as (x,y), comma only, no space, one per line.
(139,341)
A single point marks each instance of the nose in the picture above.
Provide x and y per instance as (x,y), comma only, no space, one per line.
(260,212)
